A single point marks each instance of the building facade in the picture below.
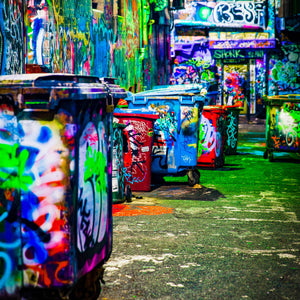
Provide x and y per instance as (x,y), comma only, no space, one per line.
(240,44)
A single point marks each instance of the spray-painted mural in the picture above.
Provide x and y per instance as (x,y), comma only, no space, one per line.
(193,64)
(211,141)
(138,137)
(175,136)
(284,127)
(232,126)
(285,71)
(45,234)
(231,14)
(34,183)
(135,167)
(71,37)
(93,191)
(226,32)
(11,37)
(12,166)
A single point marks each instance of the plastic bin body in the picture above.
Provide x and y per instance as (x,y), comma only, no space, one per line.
(55,180)
(10,229)
(232,129)
(118,181)
(176,131)
(138,139)
(212,137)
(282,124)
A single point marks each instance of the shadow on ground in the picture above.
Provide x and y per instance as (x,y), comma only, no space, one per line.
(180,191)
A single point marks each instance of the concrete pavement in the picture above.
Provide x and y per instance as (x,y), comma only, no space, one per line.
(236,236)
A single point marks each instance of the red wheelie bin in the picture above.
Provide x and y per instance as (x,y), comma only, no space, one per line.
(138,139)
(212,137)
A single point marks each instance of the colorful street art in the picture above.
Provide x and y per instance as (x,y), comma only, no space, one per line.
(285,71)
(175,136)
(71,37)
(137,143)
(124,210)
(11,37)
(55,173)
(211,141)
(118,184)
(231,14)
(235,83)
(45,233)
(11,164)
(93,191)
(135,167)
(284,127)
(193,66)
(231,132)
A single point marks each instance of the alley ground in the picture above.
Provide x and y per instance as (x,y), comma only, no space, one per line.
(236,237)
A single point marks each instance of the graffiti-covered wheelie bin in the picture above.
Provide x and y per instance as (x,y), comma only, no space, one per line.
(212,137)
(174,151)
(282,125)
(55,185)
(137,144)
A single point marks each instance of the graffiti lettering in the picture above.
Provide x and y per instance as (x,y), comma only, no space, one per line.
(92,187)
(288,127)
(231,132)
(246,12)
(85,214)
(209,135)
(237,53)
(130,178)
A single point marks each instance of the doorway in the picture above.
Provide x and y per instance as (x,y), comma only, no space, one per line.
(236,85)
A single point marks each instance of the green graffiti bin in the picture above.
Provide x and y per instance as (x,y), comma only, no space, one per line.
(232,128)
(55,184)
(282,125)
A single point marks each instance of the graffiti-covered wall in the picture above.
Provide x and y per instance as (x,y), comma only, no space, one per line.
(71,37)
(11,37)
(284,74)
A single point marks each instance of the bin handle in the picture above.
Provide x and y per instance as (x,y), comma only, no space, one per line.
(187,99)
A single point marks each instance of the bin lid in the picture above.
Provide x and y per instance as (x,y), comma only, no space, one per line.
(116,91)
(169,90)
(215,108)
(283,98)
(136,113)
(185,94)
(233,108)
(45,90)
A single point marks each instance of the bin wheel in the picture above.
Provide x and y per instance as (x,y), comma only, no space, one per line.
(88,286)
(157,179)
(128,194)
(193,177)
(271,156)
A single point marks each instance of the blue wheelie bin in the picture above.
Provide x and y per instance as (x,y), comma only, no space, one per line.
(55,185)
(174,150)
